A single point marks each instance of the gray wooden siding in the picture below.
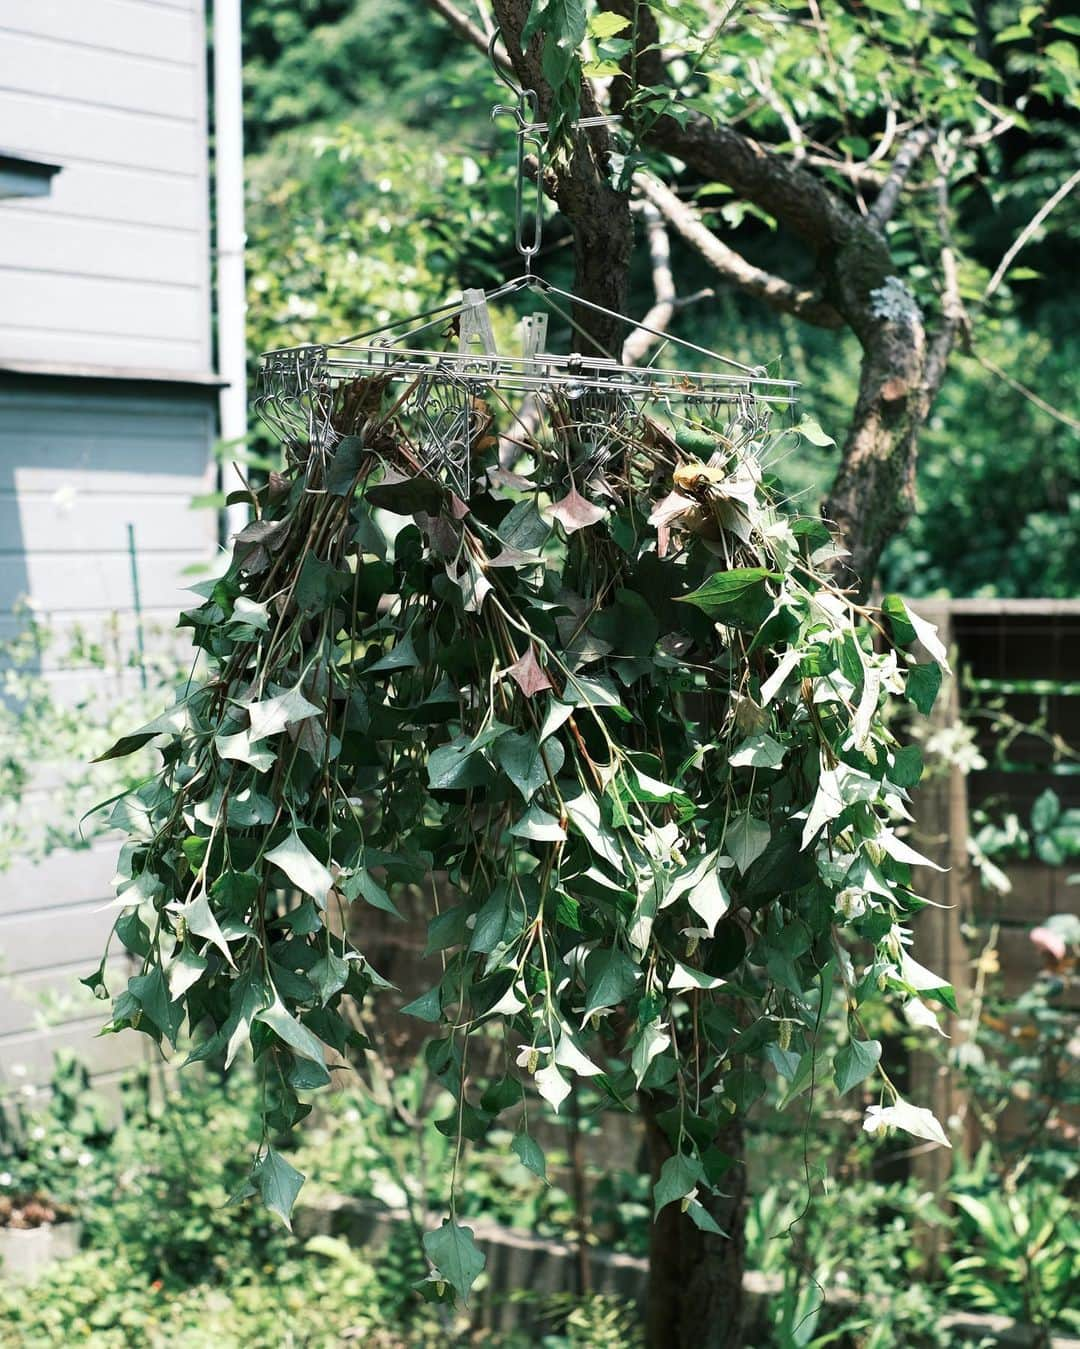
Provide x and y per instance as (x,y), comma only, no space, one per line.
(78,461)
(75,469)
(113,268)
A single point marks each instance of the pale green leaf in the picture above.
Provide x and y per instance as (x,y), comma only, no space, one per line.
(683,977)
(758,751)
(272,715)
(239,747)
(201,921)
(302,867)
(745,839)
(294,1033)
(652,1041)
(605,24)
(539,826)
(708,897)
(187,969)
(531,1155)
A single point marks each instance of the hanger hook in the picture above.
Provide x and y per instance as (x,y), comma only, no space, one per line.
(501,73)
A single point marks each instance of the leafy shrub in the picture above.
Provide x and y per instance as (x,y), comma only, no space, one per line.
(52,1148)
(856,1242)
(104,1300)
(1023,1242)
(175,1168)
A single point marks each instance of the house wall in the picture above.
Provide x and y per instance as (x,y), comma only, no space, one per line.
(79,461)
(107,418)
(112,269)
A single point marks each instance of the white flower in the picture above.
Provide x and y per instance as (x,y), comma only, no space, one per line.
(851,903)
(5,1178)
(84,1159)
(37,1133)
(529,1055)
(913,1119)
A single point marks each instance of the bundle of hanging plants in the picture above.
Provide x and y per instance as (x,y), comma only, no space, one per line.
(615,700)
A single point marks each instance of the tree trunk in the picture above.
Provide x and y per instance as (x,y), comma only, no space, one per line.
(695,1298)
(695,1291)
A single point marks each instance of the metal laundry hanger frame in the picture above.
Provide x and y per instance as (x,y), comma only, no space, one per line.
(304,377)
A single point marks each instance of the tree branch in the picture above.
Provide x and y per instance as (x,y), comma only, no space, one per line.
(1025,392)
(775,291)
(906,159)
(1025,234)
(640,342)
(953,314)
(762,84)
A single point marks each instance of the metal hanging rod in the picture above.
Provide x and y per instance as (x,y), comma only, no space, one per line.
(328,366)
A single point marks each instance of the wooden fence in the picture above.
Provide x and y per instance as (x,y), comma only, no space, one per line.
(1017,693)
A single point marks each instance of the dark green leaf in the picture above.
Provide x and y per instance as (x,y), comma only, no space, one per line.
(405,496)
(744,1086)
(344,466)
(700,1216)
(457,1259)
(530,1154)
(922,685)
(610,978)
(152,994)
(328,976)
(502,1095)
(907,767)
(678,1176)
(855,1062)
(895,610)
(738,598)
(362,885)
(427,1007)
(527,764)
(279,1184)
(457,765)
(319,585)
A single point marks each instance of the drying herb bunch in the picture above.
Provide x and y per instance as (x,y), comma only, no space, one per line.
(615,701)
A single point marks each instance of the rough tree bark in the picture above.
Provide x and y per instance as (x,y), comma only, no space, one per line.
(695,1296)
